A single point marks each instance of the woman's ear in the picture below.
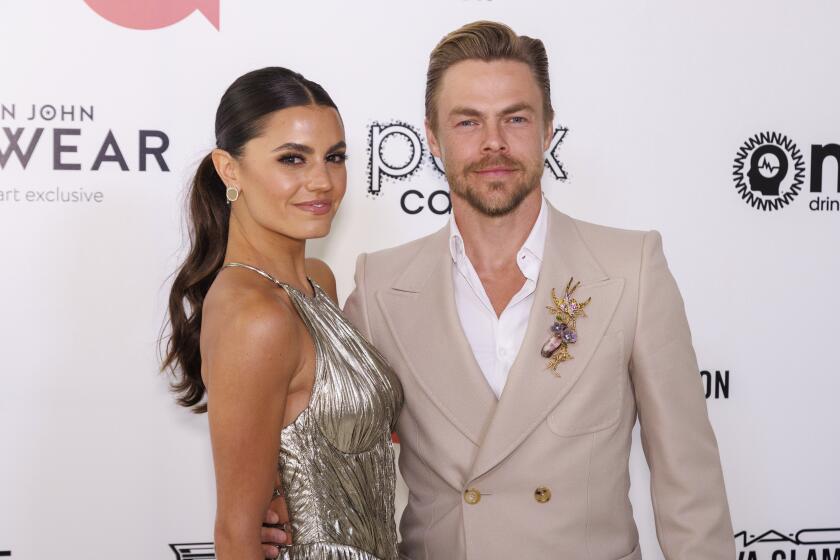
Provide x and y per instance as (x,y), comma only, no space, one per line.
(226,166)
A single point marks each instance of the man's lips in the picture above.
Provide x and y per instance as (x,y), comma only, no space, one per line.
(317,207)
(490,171)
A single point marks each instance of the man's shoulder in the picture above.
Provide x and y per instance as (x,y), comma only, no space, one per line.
(386,265)
(602,234)
(612,247)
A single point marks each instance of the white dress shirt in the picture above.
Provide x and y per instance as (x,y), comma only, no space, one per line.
(495,341)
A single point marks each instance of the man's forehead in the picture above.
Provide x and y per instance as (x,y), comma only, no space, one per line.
(476,69)
(490,83)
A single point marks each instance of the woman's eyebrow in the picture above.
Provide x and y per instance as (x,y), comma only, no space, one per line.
(294,146)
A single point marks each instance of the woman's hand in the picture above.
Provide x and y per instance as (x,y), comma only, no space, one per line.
(275,532)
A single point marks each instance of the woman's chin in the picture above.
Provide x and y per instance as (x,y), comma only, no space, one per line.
(315,232)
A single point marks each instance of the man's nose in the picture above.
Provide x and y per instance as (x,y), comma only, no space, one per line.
(494,139)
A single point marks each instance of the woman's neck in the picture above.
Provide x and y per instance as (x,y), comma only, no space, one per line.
(282,257)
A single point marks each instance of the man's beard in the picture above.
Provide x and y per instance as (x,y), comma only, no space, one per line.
(477,197)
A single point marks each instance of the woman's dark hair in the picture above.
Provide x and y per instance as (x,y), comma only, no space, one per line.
(240,117)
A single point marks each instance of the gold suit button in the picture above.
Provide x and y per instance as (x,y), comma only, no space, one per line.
(472,496)
(542,494)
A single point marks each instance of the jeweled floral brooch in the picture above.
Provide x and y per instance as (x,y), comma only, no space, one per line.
(566,310)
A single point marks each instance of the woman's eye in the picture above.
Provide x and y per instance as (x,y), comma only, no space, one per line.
(291,159)
(337,158)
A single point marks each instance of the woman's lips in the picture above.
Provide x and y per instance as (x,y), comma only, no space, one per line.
(317,207)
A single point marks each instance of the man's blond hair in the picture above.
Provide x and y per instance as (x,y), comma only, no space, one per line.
(488,41)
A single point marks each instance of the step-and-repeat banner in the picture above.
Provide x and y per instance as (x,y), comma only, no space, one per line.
(717,123)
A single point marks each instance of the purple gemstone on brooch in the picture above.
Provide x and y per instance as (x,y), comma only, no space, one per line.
(550,347)
(558,328)
(569,336)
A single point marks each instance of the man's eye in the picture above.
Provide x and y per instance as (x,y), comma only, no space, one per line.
(518,120)
(467,123)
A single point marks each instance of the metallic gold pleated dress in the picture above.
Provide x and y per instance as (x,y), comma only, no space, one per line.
(336,459)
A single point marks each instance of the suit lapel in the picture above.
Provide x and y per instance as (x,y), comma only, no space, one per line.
(532,390)
(420,312)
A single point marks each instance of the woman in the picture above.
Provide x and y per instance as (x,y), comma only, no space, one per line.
(256,329)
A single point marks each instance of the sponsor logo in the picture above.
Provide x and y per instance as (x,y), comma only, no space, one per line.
(395,151)
(715,383)
(153,14)
(194,551)
(769,173)
(67,138)
(805,544)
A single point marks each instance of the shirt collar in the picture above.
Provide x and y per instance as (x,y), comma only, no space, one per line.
(533,248)
(535,244)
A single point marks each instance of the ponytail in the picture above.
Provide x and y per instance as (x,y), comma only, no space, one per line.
(209,216)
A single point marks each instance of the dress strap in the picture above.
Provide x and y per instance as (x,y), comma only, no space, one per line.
(259,271)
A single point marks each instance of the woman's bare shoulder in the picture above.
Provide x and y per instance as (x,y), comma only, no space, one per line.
(249,323)
(320,271)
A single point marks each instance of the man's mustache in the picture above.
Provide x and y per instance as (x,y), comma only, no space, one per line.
(493,161)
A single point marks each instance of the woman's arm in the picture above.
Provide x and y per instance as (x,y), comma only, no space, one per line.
(248,365)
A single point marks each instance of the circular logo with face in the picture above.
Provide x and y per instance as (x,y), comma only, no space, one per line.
(769,171)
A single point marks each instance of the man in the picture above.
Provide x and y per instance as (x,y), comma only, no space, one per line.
(511,449)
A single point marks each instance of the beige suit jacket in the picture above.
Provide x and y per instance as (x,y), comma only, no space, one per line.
(569,434)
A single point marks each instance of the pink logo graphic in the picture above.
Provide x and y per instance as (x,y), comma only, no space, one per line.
(153,14)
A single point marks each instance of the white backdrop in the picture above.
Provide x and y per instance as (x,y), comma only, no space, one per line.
(657,96)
